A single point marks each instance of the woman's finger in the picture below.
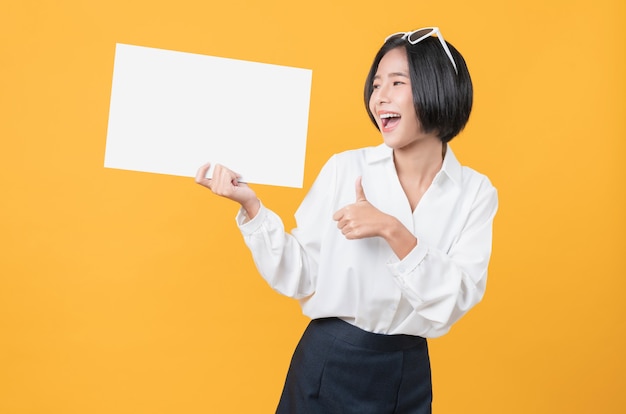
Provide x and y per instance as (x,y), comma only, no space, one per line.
(201,177)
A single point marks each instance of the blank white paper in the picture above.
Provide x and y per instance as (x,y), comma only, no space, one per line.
(171,112)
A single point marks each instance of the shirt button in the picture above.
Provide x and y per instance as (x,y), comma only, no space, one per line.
(401,269)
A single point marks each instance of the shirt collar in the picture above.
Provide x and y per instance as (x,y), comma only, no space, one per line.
(450,167)
(378,153)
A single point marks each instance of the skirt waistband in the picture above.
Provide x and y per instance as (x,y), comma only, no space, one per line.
(364,339)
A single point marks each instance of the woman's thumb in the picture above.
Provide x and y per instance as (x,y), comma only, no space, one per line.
(360,194)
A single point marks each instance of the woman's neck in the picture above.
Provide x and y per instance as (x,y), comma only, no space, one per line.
(421,162)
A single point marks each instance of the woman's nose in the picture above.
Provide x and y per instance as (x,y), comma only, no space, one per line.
(382,94)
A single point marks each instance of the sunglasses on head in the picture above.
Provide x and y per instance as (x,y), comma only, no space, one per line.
(418,35)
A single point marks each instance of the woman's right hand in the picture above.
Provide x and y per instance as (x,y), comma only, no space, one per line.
(225,183)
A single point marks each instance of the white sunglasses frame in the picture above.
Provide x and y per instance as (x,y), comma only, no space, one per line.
(430,32)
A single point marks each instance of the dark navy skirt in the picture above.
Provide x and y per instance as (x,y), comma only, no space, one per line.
(339,368)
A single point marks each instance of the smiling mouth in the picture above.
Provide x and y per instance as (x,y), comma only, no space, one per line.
(388,120)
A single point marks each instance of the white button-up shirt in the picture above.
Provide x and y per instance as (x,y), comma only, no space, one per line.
(362,281)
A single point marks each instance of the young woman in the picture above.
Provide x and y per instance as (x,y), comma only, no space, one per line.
(392,242)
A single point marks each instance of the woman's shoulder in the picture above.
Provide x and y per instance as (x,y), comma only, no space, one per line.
(463,174)
(474,178)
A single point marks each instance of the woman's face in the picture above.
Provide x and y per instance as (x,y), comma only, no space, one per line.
(391,102)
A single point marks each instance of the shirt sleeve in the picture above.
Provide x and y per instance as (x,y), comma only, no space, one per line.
(289,262)
(443,286)
(277,255)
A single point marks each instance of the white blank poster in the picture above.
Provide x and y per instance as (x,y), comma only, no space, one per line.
(171,112)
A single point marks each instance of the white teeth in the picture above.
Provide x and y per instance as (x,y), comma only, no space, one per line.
(385,116)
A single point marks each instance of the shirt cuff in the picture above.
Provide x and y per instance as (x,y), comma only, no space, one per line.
(253,224)
(406,266)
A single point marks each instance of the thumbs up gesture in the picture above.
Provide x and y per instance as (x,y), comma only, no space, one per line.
(360,219)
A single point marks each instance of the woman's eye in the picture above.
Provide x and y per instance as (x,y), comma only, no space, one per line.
(375,86)
(396,83)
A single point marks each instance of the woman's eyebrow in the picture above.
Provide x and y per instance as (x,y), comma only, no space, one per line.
(392,74)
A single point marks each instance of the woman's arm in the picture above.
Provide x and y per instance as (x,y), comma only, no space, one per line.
(444,285)
(441,286)
(288,262)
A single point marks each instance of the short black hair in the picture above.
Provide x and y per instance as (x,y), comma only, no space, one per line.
(442,98)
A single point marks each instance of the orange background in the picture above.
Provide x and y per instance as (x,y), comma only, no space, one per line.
(127,292)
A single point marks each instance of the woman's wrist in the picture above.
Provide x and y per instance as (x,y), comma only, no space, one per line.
(400,239)
(251,207)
